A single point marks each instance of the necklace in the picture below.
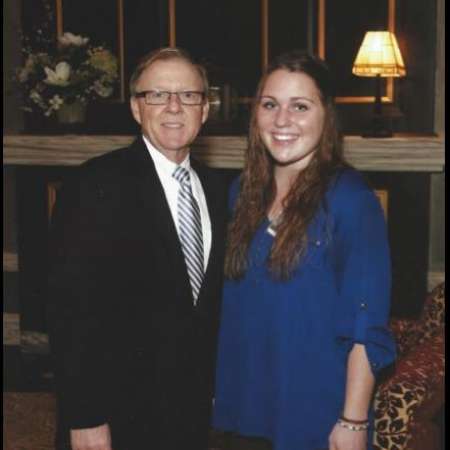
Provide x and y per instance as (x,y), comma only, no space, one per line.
(274,221)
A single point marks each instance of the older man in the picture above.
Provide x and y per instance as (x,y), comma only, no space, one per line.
(136,274)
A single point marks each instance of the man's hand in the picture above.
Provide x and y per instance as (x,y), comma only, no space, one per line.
(98,438)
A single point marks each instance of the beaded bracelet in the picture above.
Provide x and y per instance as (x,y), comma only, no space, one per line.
(353,422)
(351,427)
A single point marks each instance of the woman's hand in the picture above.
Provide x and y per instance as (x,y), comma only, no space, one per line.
(344,439)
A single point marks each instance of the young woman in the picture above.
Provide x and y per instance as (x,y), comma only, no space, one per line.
(307,295)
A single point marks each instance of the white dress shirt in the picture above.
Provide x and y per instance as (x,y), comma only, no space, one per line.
(165,168)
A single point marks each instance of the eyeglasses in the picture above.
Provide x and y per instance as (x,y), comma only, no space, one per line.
(190,98)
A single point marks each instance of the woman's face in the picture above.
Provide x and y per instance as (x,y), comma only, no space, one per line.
(290,118)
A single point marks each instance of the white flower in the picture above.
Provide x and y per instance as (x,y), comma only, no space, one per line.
(72,39)
(75,68)
(24,73)
(55,102)
(35,96)
(102,90)
(59,76)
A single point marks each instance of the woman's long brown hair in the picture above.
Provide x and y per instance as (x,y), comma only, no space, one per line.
(257,185)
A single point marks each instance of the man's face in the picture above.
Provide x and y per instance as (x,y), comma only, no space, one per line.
(170,128)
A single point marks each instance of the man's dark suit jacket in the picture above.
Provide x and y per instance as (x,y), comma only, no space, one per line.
(130,349)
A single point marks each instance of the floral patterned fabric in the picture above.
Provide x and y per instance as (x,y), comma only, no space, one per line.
(407,401)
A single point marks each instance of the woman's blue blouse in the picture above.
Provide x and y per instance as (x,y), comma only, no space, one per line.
(283,345)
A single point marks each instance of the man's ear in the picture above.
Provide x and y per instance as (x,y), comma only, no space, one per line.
(135,110)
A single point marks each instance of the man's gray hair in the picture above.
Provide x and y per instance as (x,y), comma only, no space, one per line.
(164,54)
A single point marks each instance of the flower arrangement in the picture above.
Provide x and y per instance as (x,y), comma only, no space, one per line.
(69,71)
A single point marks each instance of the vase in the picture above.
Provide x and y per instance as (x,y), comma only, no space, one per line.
(71,113)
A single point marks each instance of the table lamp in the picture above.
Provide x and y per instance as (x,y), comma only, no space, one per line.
(379,56)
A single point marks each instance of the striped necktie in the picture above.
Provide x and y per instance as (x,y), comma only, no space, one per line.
(190,230)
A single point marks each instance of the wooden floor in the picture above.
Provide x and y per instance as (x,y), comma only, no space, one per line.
(28,420)
(29,405)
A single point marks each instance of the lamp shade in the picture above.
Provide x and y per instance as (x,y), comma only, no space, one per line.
(379,55)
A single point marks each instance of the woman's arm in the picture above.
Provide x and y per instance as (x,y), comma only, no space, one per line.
(360,384)
(363,270)
(358,393)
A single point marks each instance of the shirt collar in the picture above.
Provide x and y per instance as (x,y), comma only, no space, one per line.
(163,163)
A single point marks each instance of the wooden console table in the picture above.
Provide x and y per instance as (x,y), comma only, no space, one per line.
(397,154)
(402,154)
(417,154)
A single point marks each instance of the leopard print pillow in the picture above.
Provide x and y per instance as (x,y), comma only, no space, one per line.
(410,333)
(417,379)
(433,314)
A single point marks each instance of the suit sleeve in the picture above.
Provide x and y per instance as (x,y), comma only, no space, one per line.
(364,279)
(76,304)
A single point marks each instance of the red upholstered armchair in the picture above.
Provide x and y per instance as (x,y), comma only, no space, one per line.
(408,400)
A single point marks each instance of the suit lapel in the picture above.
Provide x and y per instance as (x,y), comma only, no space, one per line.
(156,213)
(212,204)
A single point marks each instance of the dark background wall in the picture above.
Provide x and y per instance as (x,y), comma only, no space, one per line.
(226,37)
(418,243)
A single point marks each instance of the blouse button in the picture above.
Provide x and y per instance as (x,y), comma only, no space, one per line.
(363,305)
(318,243)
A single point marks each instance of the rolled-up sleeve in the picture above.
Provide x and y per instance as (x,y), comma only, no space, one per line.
(364,279)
